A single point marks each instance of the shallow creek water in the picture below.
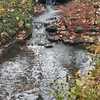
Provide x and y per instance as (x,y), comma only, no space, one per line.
(31,70)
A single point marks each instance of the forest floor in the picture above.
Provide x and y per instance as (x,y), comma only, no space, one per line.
(79,23)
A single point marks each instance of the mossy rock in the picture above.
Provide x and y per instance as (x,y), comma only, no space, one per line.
(79,29)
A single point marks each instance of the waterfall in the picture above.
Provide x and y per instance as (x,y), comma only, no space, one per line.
(50,2)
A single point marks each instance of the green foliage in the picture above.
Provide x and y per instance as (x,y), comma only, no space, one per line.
(84,88)
(79,29)
(59,89)
(96,72)
(12,12)
(84,92)
(88,87)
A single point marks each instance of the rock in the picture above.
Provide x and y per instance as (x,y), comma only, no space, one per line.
(21,35)
(49,45)
(53,38)
(51,29)
(66,41)
(54,1)
(1,51)
(39,9)
(52,18)
(94,29)
(4,38)
(4,35)
(21,24)
(79,29)
(41,44)
(46,24)
(40,97)
(52,33)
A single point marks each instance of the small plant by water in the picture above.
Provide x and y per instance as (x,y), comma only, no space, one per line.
(84,88)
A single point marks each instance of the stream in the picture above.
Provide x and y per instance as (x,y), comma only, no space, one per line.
(27,74)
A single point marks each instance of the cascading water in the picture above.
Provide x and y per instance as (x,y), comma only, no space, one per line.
(50,2)
(31,72)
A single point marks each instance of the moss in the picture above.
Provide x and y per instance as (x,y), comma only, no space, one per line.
(79,29)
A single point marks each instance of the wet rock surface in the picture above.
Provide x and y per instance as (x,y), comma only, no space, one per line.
(28,74)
